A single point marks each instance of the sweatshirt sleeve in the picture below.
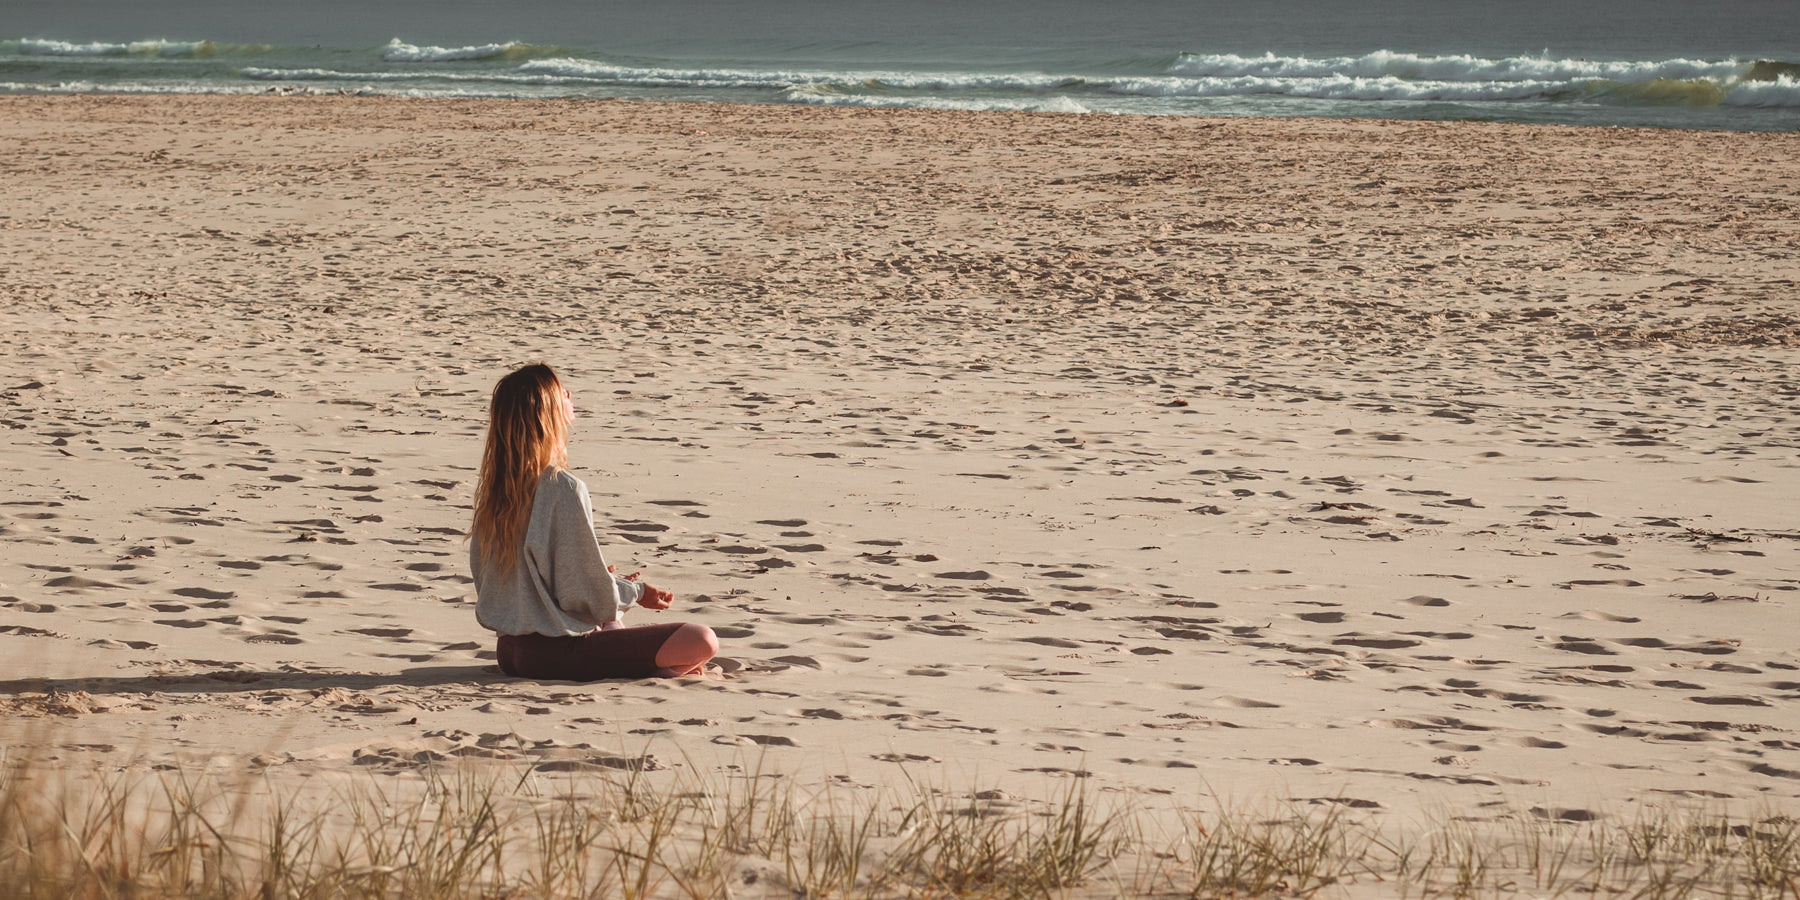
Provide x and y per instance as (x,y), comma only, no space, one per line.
(629,592)
(580,584)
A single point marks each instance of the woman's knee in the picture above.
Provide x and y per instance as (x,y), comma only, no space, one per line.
(691,644)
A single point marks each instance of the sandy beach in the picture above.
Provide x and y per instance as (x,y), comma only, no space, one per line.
(1404,467)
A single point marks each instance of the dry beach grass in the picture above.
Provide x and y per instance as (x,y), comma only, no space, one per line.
(505,831)
(1426,487)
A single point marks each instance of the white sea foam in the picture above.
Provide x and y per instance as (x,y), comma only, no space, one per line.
(1339,87)
(650,76)
(262,74)
(965,82)
(1782,92)
(399,51)
(813,95)
(196,87)
(909,81)
(1003,91)
(42,47)
(1411,66)
(137,87)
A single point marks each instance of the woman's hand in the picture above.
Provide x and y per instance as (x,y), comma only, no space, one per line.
(652,597)
(655,597)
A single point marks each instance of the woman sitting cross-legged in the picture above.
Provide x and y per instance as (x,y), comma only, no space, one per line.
(540,580)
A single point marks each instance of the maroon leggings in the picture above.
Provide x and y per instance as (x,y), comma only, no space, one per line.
(619,653)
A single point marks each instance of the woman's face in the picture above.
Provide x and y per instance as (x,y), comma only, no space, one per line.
(568,406)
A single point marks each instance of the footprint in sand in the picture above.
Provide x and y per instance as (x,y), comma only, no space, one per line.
(640,532)
(78,583)
(122,645)
(306,562)
(1375,643)
(1454,747)
(1244,703)
(945,629)
(1731,701)
(974,575)
(199,593)
(1581,645)
(807,620)
(1614,730)
(1422,600)
(1536,743)
(1771,771)
(1323,618)
(1427,723)
(1157,763)
(1733,669)
(1565,815)
(382,632)
(28,631)
(1708,648)
(1594,615)
(754,740)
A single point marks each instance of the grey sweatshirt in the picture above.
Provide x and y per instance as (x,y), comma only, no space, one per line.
(560,586)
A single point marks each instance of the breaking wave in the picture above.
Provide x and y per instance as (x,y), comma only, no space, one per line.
(1415,67)
(149,48)
(400,51)
(1387,75)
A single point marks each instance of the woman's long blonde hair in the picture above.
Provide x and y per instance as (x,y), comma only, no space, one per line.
(527,433)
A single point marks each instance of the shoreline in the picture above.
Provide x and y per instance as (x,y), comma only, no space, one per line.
(1417,463)
(304,94)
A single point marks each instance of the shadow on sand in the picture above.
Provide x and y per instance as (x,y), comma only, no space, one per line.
(252,681)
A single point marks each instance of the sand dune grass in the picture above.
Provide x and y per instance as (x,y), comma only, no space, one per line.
(457,830)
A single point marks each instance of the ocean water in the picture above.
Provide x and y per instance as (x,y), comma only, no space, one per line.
(1732,64)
